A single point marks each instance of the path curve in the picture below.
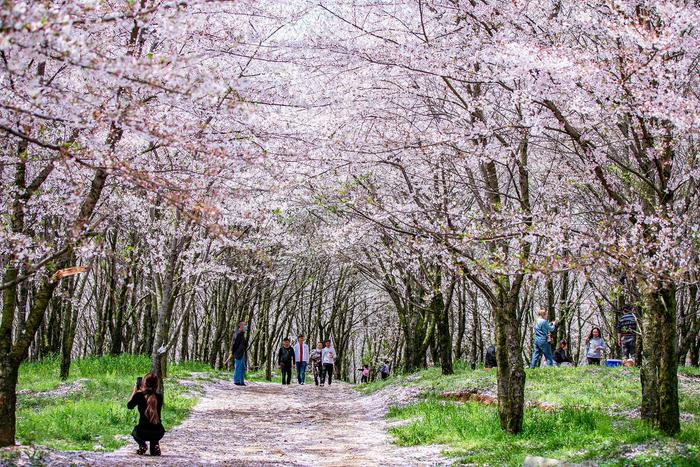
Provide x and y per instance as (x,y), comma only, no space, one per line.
(271,424)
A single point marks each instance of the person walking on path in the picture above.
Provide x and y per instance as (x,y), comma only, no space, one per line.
(627,334)
(595,346)
(542,346)
(301,358)
(285,357)
(316,365)
(238,349)
(328,360)
(149,400)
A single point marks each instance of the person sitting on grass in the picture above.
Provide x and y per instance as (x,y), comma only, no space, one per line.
(542,346)
(490,359)
(595,346)
(150,403)
(561,355)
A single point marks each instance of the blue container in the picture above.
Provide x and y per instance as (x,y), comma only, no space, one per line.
(609,363)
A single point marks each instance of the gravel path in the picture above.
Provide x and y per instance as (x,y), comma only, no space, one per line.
(271,424)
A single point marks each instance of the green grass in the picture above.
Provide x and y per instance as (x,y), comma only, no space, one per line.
(591,420)
(95,416)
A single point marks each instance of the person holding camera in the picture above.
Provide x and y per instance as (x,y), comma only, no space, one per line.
(150,403)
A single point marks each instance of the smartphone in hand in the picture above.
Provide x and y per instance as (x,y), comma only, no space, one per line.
(139,381)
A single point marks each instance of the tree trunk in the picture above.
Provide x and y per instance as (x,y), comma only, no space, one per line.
(660,362)
(9,368)
(164,312)
(441,310)
(70,322)
(511,373)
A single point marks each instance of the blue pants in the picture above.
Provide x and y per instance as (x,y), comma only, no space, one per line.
(541,348)
(301,372)
(239,371)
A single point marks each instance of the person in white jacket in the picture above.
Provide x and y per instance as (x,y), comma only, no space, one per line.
(328,360)
(301,358)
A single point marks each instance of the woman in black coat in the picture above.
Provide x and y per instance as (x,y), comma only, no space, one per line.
(561,355)
(150,403)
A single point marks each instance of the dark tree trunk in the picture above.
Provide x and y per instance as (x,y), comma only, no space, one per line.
(660,362)
(70,322)
(9,368)
(511,372)
(441,311)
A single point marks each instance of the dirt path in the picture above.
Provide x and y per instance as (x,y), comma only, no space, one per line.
(271,424)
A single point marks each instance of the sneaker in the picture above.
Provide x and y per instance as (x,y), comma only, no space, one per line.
(141,450)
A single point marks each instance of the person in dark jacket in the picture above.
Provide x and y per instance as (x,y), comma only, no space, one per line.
(490,358)
(285,358)
(238,348)
(561,355)
(149,401)
(627,333)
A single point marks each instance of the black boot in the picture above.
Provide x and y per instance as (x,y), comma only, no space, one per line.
(155,448)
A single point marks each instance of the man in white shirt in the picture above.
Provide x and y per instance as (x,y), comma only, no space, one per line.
(301,358)
(328,360)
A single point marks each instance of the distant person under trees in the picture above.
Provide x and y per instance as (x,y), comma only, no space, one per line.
(285,357)
(301,358)
(316,365)
(490,358)
(149,400)
(542,329)
(238,349)
(328,360)
(627,333)
(384,370)
(364,375)
(595,347)
(561,355)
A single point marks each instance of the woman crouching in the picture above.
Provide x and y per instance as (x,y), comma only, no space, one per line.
(150,402)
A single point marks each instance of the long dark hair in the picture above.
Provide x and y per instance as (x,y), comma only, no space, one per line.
(150,386)
(600,334)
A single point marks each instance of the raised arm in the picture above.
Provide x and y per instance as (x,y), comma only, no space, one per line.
(133,400)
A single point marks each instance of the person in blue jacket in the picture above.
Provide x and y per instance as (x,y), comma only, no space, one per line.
(542,346)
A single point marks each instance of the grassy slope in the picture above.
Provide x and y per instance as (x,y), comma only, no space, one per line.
(592,420)
(95,416)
